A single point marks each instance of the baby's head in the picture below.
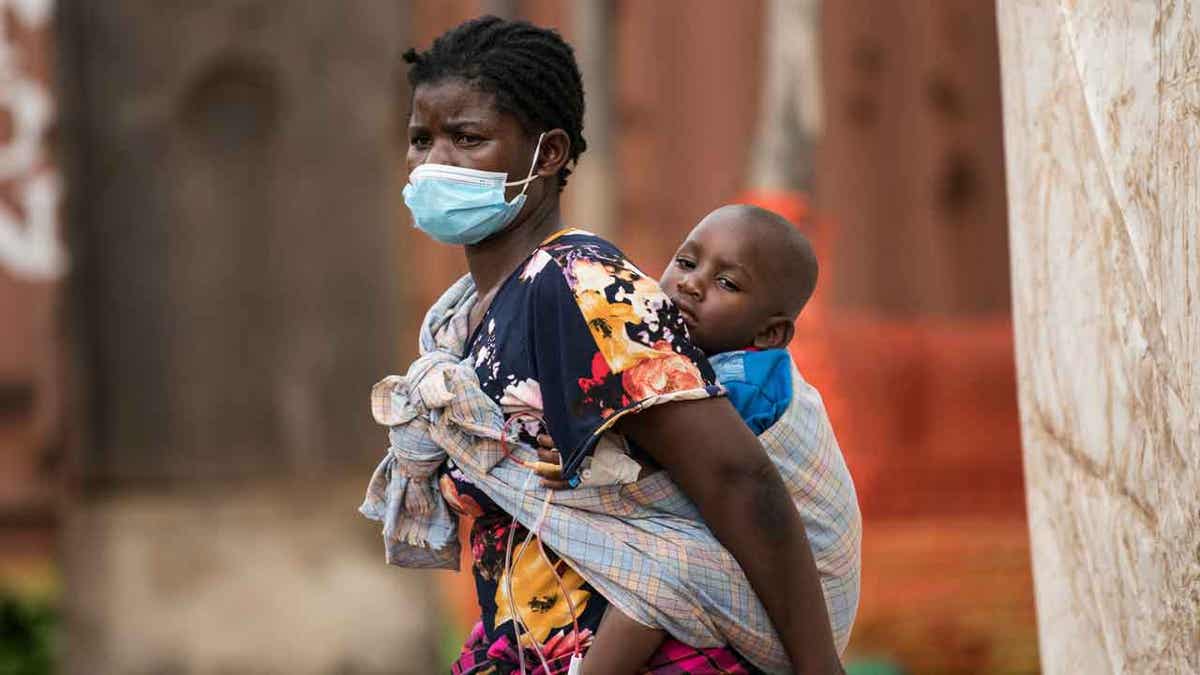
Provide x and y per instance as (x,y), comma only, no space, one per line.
(741,278)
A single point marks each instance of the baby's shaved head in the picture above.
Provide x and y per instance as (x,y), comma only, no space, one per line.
(741,278)
(781,250)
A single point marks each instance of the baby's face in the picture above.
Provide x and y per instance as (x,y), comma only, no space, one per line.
(719,285)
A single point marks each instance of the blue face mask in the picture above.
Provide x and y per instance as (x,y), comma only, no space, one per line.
(456,205)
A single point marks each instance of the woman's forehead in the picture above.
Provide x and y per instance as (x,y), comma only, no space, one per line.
(455,99)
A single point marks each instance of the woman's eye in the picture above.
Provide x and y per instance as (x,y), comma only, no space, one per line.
(727,284)
(467,139)
(419,142)
(684,263)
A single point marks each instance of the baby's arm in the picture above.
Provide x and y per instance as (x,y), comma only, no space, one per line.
(622,645)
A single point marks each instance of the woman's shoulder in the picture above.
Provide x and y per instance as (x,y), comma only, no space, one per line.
(579,239)
(584,261)
(571,246)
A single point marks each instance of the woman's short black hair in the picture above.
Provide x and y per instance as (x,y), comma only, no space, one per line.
(530,70)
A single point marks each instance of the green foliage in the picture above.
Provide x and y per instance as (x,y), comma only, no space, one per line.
(450,643)
(874,667)
(27,633)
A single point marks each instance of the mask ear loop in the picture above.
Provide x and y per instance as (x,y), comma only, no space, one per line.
(530,177)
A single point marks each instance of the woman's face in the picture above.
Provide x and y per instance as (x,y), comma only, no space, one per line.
(455,123)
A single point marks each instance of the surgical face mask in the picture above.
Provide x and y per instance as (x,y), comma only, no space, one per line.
(456,205)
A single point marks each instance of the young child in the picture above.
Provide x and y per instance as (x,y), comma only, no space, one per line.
(740,280)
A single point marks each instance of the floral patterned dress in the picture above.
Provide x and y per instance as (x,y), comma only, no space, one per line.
(580,335)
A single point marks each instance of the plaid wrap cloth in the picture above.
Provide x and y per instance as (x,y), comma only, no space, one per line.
(642,545)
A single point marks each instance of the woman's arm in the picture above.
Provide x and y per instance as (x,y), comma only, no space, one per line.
(719,463)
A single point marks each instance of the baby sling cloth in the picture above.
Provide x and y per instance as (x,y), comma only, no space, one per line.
(641,545)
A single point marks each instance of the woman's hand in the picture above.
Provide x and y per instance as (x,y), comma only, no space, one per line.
(549,466)
(719,463)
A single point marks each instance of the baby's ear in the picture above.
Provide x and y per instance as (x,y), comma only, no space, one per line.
(775,334)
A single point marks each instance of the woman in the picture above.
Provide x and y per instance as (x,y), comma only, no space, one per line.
(564,324)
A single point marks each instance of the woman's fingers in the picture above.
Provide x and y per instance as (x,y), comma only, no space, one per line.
(551,475)
(549,469)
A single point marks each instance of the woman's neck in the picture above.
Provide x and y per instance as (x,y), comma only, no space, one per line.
(492,261)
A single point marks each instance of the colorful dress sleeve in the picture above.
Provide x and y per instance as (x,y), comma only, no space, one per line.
(605,342)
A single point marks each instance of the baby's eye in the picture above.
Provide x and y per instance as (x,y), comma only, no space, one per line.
(684,263)
(727,284)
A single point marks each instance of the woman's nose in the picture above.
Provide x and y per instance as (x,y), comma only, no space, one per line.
(440,153)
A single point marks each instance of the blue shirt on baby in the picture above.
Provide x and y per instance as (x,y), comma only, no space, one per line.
(758,383)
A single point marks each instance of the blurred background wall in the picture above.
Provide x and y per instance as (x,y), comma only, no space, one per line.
(242,270)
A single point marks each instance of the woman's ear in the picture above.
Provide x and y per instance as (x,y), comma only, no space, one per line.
(555,153)
(776,334)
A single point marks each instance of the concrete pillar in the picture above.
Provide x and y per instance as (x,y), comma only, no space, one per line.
(1101,129)
(231,206)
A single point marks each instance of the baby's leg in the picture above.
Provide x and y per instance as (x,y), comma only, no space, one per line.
(622,645)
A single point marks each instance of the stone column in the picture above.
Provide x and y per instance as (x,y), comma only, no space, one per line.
(1102,125)
(230,205)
